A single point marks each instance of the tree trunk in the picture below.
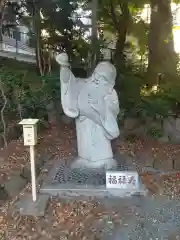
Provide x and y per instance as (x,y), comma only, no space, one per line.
(122,28)
(120,45)
(37,30)
(2,9)
(94,36)
(162,58)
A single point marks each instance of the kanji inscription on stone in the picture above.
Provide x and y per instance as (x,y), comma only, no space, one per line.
(122,179)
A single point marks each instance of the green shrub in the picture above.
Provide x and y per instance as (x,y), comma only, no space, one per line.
(155,132)
(136,100)
(128,87)
(27,93)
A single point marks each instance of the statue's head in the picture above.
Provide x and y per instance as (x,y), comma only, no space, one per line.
(105,73)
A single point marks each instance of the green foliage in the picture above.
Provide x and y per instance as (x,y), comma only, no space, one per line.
(153,106)
(27,93)
(137,100)
(106,6)
(139,29)
(59,20)
(129,87)
(155,132)
(176,1)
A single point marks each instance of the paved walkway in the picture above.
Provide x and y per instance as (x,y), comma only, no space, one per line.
(153,219)
(134,218)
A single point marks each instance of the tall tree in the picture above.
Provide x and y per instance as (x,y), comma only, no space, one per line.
(94,34)
(162,58)
(2,11)
(116,15)
(54,18)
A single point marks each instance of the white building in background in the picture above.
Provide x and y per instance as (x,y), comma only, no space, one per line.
(15,45)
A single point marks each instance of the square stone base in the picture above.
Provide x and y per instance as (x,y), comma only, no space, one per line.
(26,207)
(63,181)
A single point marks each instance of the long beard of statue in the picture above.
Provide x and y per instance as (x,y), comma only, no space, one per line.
(91,94)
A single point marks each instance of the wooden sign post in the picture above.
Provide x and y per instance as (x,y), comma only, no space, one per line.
(30,139)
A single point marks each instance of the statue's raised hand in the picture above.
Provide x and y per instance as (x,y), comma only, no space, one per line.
(65,73)
(62,59)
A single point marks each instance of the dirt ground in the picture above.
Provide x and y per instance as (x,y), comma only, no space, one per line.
(76,217)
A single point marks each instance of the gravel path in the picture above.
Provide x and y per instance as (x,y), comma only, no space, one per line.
(154,219)
(109,219)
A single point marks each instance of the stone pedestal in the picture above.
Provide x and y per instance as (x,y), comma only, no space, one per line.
(26,207)
(106,164)
(65,181)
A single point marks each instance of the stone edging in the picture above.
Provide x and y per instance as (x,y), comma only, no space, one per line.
(155,171)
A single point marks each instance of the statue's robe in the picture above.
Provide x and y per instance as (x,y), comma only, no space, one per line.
(95,127)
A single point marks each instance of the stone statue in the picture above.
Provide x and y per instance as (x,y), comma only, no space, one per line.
(93,102)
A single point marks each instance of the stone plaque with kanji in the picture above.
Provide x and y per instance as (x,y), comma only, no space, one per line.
(122,179)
